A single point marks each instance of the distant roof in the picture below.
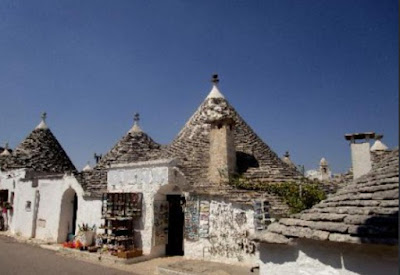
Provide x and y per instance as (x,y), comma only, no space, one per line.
(5,154)
(286,159)
(378,146)
(365,211)
(40,152)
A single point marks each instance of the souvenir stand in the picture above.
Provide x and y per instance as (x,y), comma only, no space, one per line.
(119,210)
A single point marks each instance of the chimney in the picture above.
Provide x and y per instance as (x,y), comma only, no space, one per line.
(222,152)
(222,162)
(360,152)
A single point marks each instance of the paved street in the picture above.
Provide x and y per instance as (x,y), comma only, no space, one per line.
(18,258)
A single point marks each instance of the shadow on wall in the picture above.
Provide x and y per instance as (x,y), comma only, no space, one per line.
(380,227)
(309,255)
(245,161)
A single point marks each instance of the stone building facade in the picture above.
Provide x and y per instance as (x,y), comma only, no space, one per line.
(188,206)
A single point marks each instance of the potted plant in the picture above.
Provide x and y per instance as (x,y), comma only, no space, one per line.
(85,234)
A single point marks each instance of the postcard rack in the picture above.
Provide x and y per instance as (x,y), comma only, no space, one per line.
(119,211)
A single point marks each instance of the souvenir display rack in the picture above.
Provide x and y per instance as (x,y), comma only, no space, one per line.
(119,211)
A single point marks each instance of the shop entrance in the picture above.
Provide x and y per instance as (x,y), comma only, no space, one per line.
(175,226)
(68,213)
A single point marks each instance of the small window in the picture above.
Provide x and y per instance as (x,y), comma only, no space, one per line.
(28,206)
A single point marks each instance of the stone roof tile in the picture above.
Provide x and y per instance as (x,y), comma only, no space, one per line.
(365,211)
(255,159)
(40,152)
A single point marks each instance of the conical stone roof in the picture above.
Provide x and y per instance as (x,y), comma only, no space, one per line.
(40,152)
(255,159)
(135,146)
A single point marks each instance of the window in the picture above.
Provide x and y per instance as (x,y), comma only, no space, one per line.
(28,206)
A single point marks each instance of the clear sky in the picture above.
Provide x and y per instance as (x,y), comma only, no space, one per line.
(301,73)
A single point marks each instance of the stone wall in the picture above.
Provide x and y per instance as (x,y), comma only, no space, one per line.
(226,238)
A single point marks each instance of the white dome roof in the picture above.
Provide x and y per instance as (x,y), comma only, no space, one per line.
(378,146)
(87,167)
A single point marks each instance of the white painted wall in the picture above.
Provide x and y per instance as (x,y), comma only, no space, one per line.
(225,236)
(49,207)
(51,193)
(8,182)
(315,257)
(23,218)
(148,178)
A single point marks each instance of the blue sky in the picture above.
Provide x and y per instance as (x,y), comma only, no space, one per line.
(301,73)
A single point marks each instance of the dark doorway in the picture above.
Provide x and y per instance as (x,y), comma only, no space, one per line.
(175,226)
(75,209)
(3,196)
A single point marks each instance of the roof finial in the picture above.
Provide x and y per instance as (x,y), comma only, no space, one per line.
(286,154)
(136,119)
(215,79)
(44,116)
(378,144)
(5,152)
(215,93)
(42,124)
(87,167)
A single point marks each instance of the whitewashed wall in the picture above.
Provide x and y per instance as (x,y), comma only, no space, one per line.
(152,179)
(229,226)
(23,218)
(314,257)
(49,214)
(8,181)
(45,225)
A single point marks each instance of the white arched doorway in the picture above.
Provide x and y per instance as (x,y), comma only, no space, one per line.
(67,222)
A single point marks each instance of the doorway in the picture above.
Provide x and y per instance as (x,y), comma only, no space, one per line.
(175,226)
(68,215)
(3,196)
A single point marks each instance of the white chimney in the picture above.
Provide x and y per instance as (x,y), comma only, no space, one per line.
(360,153)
